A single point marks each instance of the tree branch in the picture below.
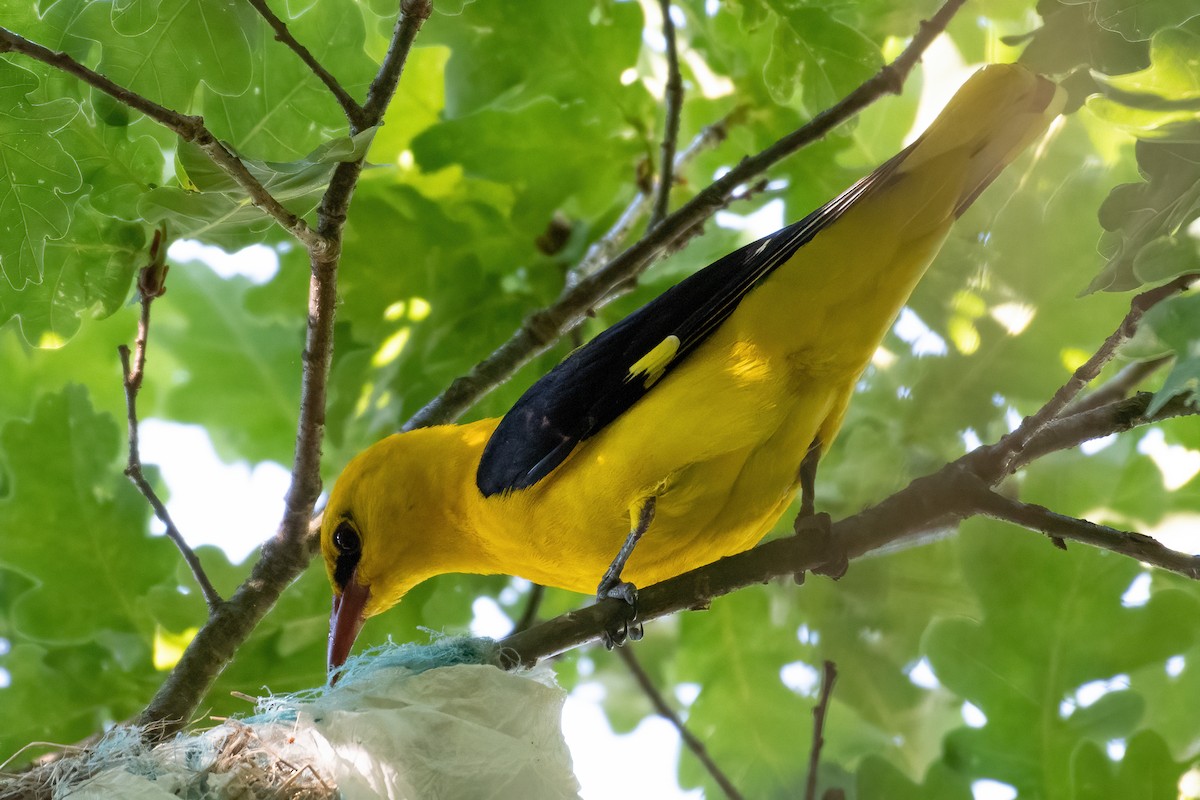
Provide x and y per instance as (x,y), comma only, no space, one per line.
(673,96)
(542,328)
(285,555)
(1118,386)
(188,128)
(1137,546)
(413,14)
(1087,372)
(666,712)
(151,280)
(820,712)
(353,111)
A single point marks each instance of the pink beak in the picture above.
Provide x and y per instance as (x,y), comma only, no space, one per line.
(346,620)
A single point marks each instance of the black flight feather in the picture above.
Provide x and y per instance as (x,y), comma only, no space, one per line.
(592,387)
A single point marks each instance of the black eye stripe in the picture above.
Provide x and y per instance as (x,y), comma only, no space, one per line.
(349,547)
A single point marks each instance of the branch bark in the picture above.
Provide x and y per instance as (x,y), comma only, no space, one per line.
(151,285)
(674,99)
(820,713)
(542,328)
(664,710)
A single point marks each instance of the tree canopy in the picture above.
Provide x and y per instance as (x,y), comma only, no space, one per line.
(459,191)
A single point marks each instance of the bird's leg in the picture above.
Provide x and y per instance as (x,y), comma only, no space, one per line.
(808,480)
(810,523)
(611,585)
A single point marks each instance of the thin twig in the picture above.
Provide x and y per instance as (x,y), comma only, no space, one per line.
(532,604)
(352,109)
(1088,371)
(1118,386)
(604,247)
(413,14)
(820,712)
(1137,546)
(666,712)
(543,328)
(1116,417)
(188,128)
(673,95)
(150,286)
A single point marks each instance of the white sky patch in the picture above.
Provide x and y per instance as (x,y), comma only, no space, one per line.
(971,439)
(1175,665)
(1115,749)
(257,262)
(973,716)
(1179,532)
(1090,692)
(686,693)
(1096,445)
(490,619)
(1138,593)
(913,330)
(1014,317)
(1189,784)
(800,677)
(758,224)
(1178,464)
(922,675)
(987,789)
(643,763)
(945,72)
(233,506)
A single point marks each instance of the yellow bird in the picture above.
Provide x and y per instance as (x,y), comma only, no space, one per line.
(689,420)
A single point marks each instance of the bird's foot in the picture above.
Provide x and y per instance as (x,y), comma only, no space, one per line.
(627,629)
(820,526)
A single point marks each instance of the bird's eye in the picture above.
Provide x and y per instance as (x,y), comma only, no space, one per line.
(345,539)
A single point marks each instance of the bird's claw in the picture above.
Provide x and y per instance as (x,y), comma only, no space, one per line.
(820,525)
(628,629)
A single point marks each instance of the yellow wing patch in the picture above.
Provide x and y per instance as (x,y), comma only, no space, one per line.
(654,363)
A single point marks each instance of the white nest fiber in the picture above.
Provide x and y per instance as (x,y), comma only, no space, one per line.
(405,722)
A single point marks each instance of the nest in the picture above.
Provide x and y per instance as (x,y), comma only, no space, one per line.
(406,721)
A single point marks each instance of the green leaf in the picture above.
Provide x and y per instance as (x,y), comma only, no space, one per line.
(63,464)
(1174,72)
(1177,325)
(1141,19)
(87,273)
(35,171)
(165,50)
(1146,770)
(1151,215)
(878,778)
(822,57)
(209,205)
(1040,638)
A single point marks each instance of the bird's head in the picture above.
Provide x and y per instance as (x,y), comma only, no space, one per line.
(394,518)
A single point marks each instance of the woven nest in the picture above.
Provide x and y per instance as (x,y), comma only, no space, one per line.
(409,721)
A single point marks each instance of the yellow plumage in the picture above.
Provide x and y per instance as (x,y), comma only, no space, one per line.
(716,441)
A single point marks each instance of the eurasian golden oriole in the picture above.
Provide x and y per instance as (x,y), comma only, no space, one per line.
(688,420)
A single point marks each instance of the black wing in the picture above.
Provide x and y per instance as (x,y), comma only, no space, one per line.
(597,383)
